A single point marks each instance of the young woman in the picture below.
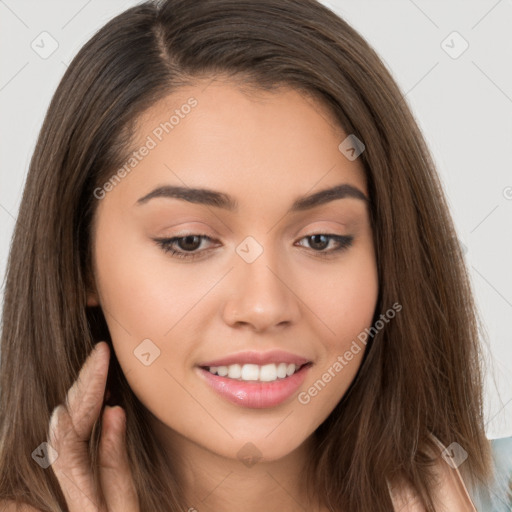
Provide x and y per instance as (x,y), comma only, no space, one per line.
(231,203)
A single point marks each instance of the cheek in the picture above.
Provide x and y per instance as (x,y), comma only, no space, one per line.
(344,296)
(145,297)
(143,293)
(346,306)
(152,307)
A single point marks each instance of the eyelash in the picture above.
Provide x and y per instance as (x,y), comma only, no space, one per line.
(167,244)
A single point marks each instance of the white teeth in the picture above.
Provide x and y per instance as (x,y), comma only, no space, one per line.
(222,371)
(268,373)
(250,372)
(281,370)
(234,371)
(253,372)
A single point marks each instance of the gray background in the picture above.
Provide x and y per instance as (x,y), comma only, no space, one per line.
(462,101)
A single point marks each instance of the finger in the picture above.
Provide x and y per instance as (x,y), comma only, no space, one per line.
(85,397)
(115,474)
(70,431)
(71,467)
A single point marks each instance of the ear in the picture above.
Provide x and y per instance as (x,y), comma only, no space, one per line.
(92,292)
(92,299)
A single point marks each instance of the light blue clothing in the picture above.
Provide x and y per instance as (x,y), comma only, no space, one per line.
(497,497)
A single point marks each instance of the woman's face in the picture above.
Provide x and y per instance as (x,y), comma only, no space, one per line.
(263,288)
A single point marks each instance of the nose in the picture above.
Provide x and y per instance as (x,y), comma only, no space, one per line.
(261,294)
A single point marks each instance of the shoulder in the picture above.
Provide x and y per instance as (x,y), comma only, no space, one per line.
(448,492)
(496,496)
(453,493)
(502,452)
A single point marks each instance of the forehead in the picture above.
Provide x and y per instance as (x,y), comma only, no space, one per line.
(221,136)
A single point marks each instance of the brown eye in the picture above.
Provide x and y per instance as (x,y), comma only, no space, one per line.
(183,246)
(189,243)
(319,242)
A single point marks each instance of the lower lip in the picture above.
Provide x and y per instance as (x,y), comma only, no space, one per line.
(255,394)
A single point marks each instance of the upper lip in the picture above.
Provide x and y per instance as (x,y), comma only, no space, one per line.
(259,358)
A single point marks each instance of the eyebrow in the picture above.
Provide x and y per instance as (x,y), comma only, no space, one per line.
(216,199)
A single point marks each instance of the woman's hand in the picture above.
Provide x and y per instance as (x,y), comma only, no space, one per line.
(69,433)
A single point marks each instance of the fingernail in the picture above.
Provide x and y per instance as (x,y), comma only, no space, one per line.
(54,419)
(95,349)
(91,357)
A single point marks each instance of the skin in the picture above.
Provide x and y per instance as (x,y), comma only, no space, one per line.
(69,433)
(265,150)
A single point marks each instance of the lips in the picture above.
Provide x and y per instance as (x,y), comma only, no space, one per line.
(256,394)
(252,393)
(259,358)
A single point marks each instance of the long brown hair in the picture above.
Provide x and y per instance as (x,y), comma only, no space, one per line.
(421,374)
